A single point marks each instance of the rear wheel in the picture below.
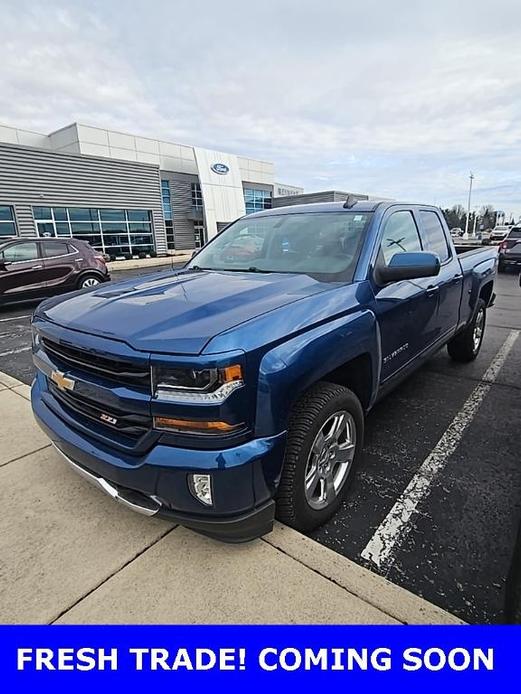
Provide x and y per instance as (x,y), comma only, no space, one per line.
(466,345)
(325,438)
(88,281)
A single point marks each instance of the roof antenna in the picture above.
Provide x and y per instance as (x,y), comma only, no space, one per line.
(350,202)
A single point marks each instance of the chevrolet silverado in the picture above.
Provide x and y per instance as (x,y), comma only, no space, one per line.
(235,389)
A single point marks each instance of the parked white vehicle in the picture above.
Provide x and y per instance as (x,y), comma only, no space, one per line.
(499,233)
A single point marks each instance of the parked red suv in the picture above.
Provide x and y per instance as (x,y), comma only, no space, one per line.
(34,268)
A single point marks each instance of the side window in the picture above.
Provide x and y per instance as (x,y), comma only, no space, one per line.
(51,249)
(20,252)
(400,235)
(433,235)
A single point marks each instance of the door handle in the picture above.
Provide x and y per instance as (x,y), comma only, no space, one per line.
(432,290)
(36,267)
(456,278)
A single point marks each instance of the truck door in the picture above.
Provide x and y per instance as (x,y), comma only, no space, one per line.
(406,309)
(449,281)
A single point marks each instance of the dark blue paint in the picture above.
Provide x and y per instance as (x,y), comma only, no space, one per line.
(286,330)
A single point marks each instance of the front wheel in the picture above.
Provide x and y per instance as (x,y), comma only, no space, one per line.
(88,281)
(466,345)
(325,437)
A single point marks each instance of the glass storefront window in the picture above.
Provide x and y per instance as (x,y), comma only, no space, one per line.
(166,198)
(197,196)
(112,215)
(84,228)
(7,222)
(115,231)
(114,227)
(63,229)
(46,229)
(138,226)
(83,214)
(257,200)
(199,234)
(93,240)
(60,214)
(138,215)
(42,213)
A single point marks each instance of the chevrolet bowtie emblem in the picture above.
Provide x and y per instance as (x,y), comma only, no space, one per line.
(61,380)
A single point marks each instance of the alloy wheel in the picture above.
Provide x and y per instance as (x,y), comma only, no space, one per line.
(330,460)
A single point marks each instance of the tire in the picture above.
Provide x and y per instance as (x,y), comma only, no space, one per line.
(88,281)
(315,414)
(466,345)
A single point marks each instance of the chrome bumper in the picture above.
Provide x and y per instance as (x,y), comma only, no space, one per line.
(148,506)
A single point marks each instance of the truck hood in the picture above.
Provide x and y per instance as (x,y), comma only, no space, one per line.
(176,312)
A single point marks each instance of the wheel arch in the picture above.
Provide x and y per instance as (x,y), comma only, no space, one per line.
(87,273)
(485,292)
(344,351)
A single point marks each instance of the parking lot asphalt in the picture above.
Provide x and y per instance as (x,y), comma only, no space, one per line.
(455,546)
(15,329)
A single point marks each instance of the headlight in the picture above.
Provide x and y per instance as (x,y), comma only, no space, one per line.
(211,386)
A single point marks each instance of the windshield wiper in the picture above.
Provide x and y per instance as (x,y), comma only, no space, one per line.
(246,269)
(197,268)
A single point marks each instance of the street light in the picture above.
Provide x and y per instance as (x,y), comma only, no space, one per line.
(466,234)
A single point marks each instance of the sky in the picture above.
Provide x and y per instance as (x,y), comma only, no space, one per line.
(399,99)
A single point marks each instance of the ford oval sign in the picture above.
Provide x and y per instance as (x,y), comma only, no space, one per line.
(221,169)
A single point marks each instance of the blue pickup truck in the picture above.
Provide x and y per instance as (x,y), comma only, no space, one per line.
(234,390)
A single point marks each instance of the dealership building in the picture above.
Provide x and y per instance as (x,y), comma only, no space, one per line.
(127,195)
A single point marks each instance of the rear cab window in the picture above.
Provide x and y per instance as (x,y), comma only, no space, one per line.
(433,235)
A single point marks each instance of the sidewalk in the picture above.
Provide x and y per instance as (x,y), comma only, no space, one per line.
(69,554)
(178,257)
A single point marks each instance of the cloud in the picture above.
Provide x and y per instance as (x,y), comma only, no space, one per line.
(393,98)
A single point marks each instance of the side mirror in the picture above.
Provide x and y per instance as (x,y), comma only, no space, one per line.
(408,266)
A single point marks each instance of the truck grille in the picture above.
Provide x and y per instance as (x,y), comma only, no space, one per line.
(131,426)
(115,369)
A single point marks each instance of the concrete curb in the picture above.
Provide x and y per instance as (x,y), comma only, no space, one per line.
(146,570)
(374,589)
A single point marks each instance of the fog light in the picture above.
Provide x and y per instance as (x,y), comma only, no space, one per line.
(201,488)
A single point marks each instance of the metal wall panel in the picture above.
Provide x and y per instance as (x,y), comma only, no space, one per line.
(34,177)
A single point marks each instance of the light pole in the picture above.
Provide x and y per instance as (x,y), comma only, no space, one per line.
(466,234)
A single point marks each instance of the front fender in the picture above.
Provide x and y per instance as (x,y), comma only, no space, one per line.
(289,369)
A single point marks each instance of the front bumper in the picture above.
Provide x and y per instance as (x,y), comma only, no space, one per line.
(244,477)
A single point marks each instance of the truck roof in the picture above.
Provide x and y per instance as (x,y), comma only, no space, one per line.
(359,206)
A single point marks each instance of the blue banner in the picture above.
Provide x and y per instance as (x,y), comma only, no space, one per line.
(77,658)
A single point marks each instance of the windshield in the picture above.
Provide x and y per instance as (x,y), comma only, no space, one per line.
(325,244)
(515,234)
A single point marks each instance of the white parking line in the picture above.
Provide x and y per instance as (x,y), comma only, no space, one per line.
(391,532)
(3,320)
(14,351)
